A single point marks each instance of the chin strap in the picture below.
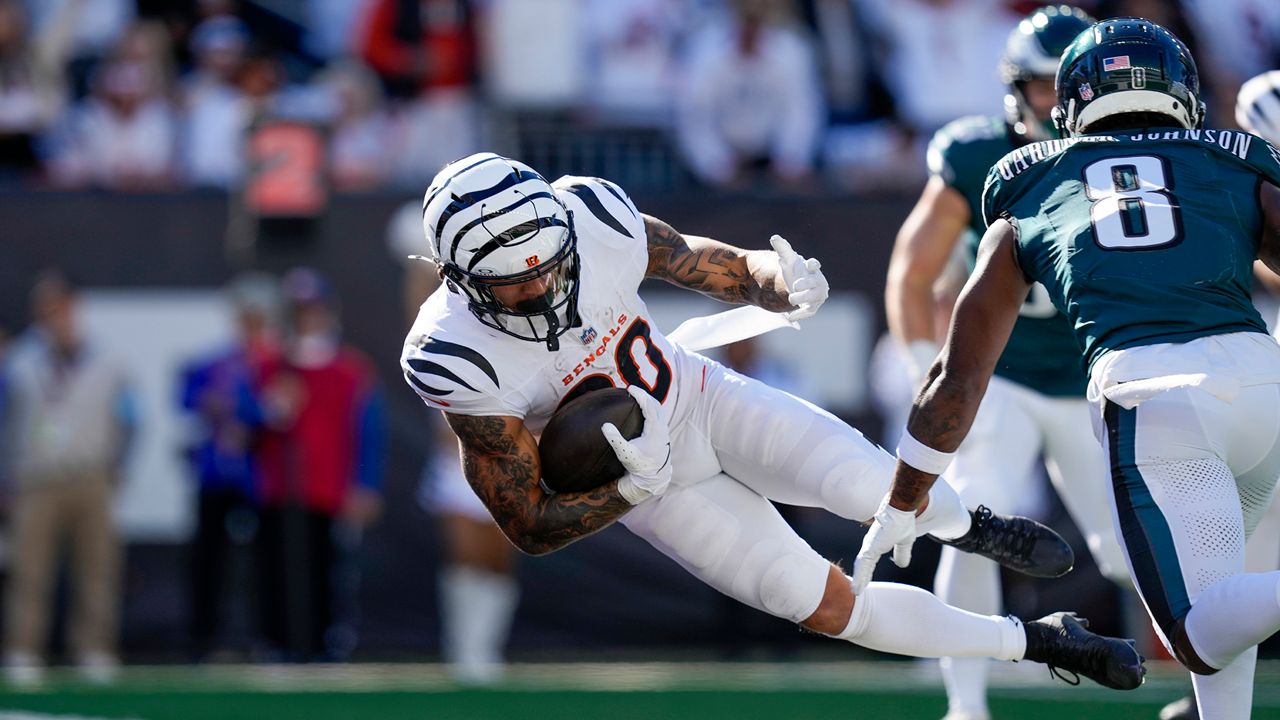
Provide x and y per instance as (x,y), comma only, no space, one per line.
(553,338)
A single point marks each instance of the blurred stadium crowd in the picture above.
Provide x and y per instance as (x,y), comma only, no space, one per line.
(152,95)
(158,96)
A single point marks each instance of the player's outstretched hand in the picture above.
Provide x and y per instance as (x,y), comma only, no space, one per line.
(646,458)
(891,529)
(807,287)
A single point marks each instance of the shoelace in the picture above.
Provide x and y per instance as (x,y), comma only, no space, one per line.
(1061,675)
(1014,540)
(1094,657)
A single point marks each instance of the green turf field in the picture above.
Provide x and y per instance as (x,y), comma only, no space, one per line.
(630,691)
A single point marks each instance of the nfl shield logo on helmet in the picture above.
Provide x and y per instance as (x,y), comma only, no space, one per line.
(1086,92)
(588,335)
(1119,62)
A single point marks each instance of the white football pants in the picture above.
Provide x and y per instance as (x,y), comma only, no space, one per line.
(742,443)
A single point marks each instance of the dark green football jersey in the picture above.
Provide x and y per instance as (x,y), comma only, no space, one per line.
(1042,353)
(1141,238)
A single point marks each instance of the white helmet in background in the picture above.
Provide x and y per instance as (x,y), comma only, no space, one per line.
(1258,106)
(494,223)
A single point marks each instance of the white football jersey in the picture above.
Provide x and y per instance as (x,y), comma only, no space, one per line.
(458,365)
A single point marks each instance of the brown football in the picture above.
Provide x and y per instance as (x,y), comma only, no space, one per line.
(575,455)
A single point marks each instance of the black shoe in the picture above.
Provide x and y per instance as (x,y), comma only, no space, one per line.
(1061,641)
(1181,709)
(1017,543)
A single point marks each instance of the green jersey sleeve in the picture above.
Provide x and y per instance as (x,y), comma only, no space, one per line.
(1265,159)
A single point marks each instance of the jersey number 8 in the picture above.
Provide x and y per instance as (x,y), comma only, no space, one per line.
(1132,208)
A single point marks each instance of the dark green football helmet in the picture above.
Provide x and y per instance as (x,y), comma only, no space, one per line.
(1032,53)
(1127,66)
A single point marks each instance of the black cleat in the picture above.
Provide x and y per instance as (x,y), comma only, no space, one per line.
(1017,543)
(1061,641)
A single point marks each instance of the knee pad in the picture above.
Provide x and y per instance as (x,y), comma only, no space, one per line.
(793,585)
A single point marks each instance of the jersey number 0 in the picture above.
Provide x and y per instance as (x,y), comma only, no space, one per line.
(1132,207)
(625,357)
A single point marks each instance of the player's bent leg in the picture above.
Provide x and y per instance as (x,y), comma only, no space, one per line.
(1077,468)
(909,621)
(1182,517)
(735,541)
(794,452)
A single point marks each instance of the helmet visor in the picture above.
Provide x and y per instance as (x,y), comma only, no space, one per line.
(536,305)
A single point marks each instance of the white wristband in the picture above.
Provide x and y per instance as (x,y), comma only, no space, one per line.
(631,492)
(922,457)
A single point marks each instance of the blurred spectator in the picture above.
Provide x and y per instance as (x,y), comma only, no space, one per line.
(420,45)
(93,27)
(1240,37)
(124,136)
(31,90)
(631,51)
(844,57)
(477,584)
(359,155)
(148,43)
(6,452)
(265,85)
(321,464)
(333,26)
(70,416)
(751,97)
(1246,50)
(549,74)
(424,51)
(215,113)
(222,392)
(938,58)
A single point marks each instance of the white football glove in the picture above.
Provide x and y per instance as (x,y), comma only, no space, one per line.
(807,287)
(891,529)
(646,458)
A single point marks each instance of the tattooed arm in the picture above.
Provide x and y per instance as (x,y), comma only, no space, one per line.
(980,327)
(500,460)
(724,272)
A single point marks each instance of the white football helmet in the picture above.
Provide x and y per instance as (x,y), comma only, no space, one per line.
(1258,106)
(493,224)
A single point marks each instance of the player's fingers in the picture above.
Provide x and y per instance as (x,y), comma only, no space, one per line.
(649,406)
(783,248)
(803,312)
(613,437)
(812,265)
(863,568)
(902,554)
(803,283)
(802,297)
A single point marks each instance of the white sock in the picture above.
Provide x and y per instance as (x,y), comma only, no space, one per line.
(971,583)
(909,621)
(476,607)
(1233,615)
(946,517)
(1227,694)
